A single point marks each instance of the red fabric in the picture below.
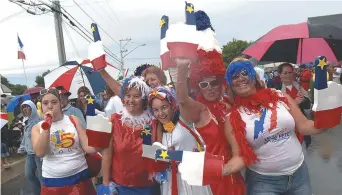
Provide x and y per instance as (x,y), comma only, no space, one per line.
(327,118)
(313,47)
(84,188)
(262,98)
(293,92)
(167,62)
(182,49)
(129,168)
(305,78)
(99,62)
(98,139)
(65,79)
(216,144)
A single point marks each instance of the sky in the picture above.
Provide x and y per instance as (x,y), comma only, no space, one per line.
(138,20)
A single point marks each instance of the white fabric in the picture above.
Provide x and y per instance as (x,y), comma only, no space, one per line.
(260,73)
(66,156)
(181,139)
(338,71)
(114,105)
(99,123)
(279,151)
(328,98)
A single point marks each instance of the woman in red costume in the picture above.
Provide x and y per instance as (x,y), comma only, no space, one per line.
(208,111)
(261,131)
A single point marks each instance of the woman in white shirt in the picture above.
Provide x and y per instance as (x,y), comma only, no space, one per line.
(112,103)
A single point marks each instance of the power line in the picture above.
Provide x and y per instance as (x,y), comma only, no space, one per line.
(72,42)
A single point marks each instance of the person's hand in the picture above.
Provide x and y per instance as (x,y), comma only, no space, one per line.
(182,62)
(299,99)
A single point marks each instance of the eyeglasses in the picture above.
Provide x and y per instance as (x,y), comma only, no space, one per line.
(243,73)
(206,84)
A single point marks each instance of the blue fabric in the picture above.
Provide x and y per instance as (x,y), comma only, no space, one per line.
(4,151)
(15,101)
(296,184)
(66,181)
(95,79)
(26,143)
(70,110)
(236,67)
(33,164)
(151,190)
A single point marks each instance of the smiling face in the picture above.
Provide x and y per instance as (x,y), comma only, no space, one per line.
(287,75)
(242,86)
(162,110)
(211,89)
(133,101)
(152,80)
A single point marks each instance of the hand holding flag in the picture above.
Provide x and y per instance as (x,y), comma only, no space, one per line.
(327,108)
(99,128)
(96,54)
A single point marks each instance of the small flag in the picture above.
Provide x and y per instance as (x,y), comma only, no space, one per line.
(190,17)
(327,108)
(196,168)
(96,53)
(146,135)
(21,54)
(126,73)
(99,128)
(164,51)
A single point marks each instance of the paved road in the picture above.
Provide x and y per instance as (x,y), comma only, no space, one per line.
(325,170)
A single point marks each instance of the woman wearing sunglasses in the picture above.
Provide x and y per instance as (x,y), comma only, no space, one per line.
(209,110)
(62,147)
(261,132)
(176,134)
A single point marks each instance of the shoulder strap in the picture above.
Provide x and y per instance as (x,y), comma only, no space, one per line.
(198,140)
(72,121)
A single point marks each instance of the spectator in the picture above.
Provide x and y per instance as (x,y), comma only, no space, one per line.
(67,108)
(81,102)
(305,77)
(154,77)
(113,105)
(33,163)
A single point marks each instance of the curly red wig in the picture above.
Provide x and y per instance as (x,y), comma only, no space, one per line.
(210,64)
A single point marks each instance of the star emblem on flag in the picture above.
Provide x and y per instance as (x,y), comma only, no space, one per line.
(162,22)
(164,154)
(90,100)
(322,62)
(146,132)
(190,8)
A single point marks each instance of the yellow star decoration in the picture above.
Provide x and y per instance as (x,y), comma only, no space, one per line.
(190,8)
(92,28)
(164,154)
(161,23)
(90,100)
(322,63)
(146,132)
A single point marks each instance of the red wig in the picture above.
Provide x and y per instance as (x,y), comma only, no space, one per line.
(210,65)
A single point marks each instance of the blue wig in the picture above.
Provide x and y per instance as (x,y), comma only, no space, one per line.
(236,67)
(203,21)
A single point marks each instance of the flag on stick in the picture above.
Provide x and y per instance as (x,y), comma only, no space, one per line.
(21,54)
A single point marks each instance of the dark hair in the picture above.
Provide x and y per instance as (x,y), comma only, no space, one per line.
(158,72)
(109,91)
(281,67)
(83,89)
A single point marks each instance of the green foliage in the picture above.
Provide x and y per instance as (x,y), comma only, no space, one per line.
(40,79)
(234,49)
(17,89)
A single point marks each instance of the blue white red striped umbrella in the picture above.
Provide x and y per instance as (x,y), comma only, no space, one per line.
(77,73)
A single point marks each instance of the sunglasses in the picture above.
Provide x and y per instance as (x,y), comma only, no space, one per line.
(243,73)
(206,84)
(53,91)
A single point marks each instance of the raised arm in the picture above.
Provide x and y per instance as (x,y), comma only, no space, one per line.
(236,163)
(40,141)
(113,84)
(191,110)
(107,156)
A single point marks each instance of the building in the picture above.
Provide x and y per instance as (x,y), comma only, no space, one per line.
(5,90)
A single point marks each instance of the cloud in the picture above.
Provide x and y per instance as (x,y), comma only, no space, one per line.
(247,20)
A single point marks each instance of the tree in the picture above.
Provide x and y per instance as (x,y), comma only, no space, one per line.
(5,81)
(40,79)
(18,89)
(233,49)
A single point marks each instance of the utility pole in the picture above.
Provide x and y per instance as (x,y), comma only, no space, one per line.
(59,32)
(123,51)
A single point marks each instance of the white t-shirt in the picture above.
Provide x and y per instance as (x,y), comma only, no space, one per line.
(279,151)
(114,105)
(66,156)
(260,72)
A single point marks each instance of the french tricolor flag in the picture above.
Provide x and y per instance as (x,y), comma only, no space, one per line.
(96,53)
(182,40)
(167,62)
(21,54)
(196,168)
(99,128)
(327,108)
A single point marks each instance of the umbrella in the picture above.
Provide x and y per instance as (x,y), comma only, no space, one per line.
(13,107)
(3,119)
(298,43)
(77,73)
(33,90)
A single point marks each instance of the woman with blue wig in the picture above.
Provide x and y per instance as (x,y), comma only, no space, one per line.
(261,132)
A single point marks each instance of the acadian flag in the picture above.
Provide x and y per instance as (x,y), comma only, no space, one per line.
(164,51)
(182,39)
(21,54)
(327,108)
(96,53)
(99,128)
(196,168)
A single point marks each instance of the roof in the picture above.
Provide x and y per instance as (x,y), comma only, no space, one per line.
(5,89)
(335,20)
